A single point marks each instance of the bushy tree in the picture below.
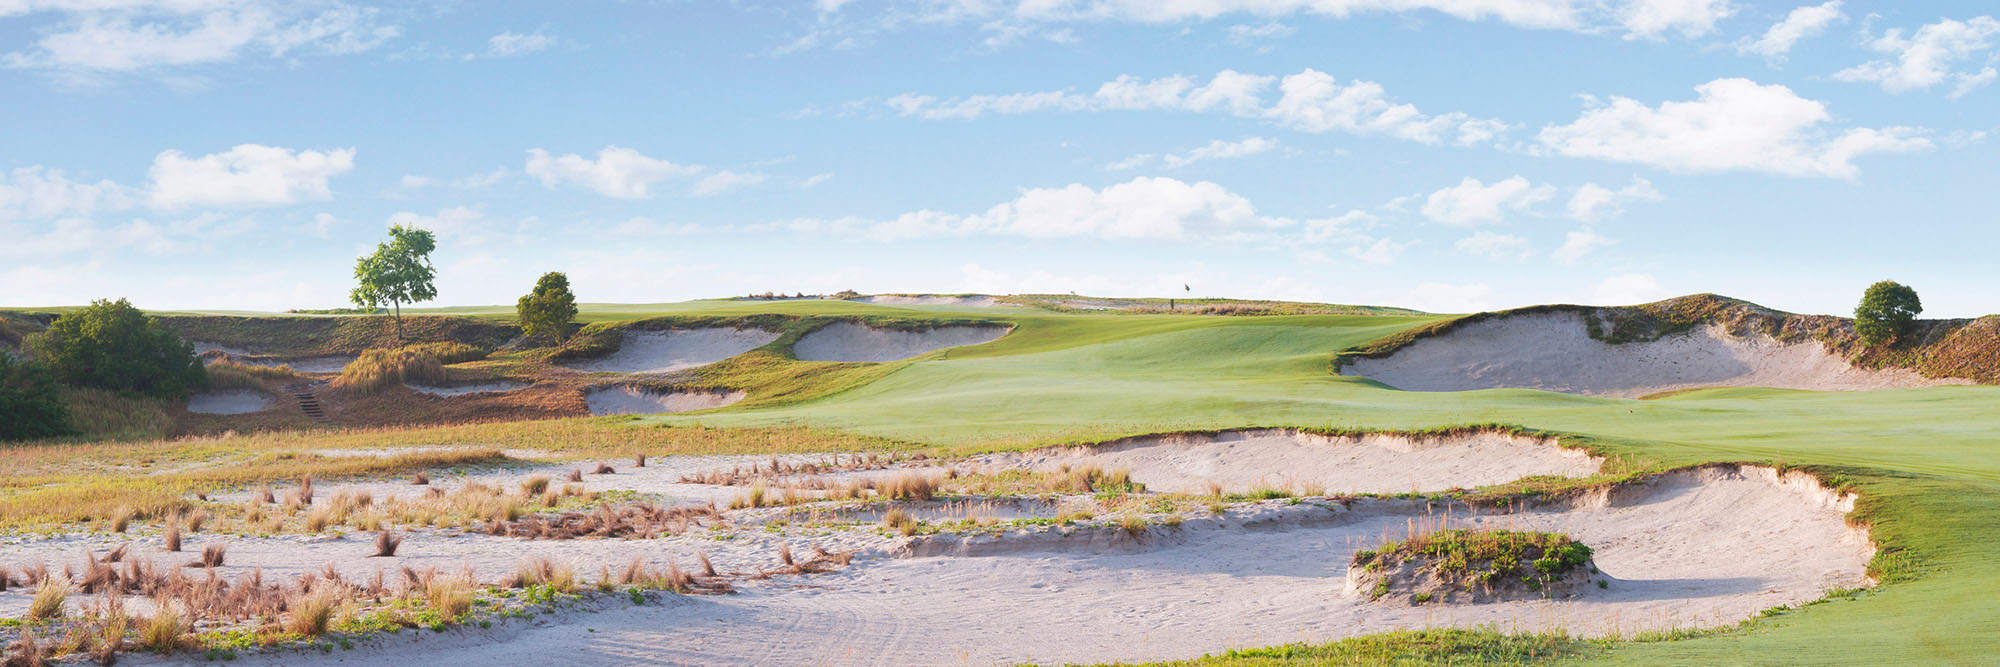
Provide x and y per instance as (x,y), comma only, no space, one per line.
(30,401)
(399,272)
(112,345)
(549,309)
(1886,311)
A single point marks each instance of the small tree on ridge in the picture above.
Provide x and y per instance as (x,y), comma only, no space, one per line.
(549,309)
(399,272)
(1886,311)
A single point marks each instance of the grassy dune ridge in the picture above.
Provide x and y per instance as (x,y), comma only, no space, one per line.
(1926,461)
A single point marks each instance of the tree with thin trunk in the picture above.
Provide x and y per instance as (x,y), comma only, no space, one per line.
(399,272)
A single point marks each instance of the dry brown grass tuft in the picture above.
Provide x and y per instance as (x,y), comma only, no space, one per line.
(449,596)
(376,370)
(638,460)
(707,568)
(211,556)
(908,486)
(311,613)
(166,630)
(535,486)
(27,651)
(574,475)
(386,544)
(603,469)
(420,479)
(172,538)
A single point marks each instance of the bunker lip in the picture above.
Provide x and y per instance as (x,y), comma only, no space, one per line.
(676,349)
(852,342)
(633,400)
(1554,351)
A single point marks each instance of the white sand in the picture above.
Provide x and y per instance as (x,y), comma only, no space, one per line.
(1554,352)
(1244,460)
(676,349)
(847,341)
(464,389)
(229,402)
(1697,548)
(975,301)
(635,401)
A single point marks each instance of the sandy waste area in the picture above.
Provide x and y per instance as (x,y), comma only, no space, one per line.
(847,341)
(676,349)
(1007,573)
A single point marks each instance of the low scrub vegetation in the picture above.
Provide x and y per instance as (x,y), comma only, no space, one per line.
(376,370)
(227,374)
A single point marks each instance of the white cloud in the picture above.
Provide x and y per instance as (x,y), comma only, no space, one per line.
(1494,246)
(1801,23)
(1629,289)
(1929,57)
(513,44)
(1309,101)
(617,172)
(1450,298)
(482,180)
(458,224)
(414,181)
(1735,125)
(816,179)
(116,36)
(247,175)
(1258,36)
(724,181)
(1472,202)
(30,193)
(1222,150)
(1579,244)
(829,6)
(1132,162)
(323,224)
(1648,19)
(1592,202)
(1526,13)
(1142,208)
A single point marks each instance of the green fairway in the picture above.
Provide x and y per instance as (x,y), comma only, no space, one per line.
(1926,460)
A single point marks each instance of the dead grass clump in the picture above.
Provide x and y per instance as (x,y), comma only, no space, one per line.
(122,520)
(897,519)
(311,613)
(636,521)
(227,374)
(449,596)
(638,460)
(171,541)
(574,475)
(420,479)
(540,571)
(375,370)
(603,469)
(386,544)
(211,556)
(908,486)
(27,651)
(534,486)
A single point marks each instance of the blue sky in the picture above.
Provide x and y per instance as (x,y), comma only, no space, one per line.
(1441,154)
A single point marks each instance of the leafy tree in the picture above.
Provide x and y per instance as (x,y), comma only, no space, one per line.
(1886,311)
(112,345)
(399,272)
(548,309)
(30,401)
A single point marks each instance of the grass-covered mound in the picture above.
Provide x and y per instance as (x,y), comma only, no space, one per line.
(1464,565)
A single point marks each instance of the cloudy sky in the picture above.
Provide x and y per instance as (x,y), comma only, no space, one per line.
(1449,155)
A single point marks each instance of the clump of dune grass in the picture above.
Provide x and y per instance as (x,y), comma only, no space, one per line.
(164,632)
(122,520)
(638,460)
(908,486)
(211,556)
(449,596)
(311,613)
(50,598)
(897,519)
(376,370)
(603,469)
(534,486)
(575,475)
(386,544)
(540,571)
(171,541)
(27,651)
(420,479)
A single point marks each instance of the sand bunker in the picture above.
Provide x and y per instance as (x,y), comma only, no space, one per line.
(1694,548)
(975,301)
(847,341)
(676,349)
(229,402)
(1553,352)
(636,401)
(465,389)
(1241,461)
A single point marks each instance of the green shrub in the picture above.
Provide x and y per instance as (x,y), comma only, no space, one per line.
(1886,311)
(111,345)
(31,403)
(376,369)
(549,309)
